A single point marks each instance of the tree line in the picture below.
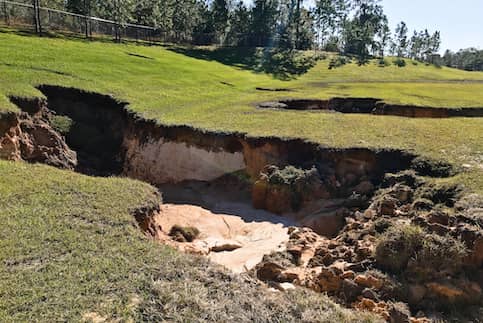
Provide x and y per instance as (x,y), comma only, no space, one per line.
(470,59)
(352,27)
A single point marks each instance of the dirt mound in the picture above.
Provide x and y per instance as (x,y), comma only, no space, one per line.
(32,139)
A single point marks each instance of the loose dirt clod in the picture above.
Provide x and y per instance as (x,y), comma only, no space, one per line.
(183,234)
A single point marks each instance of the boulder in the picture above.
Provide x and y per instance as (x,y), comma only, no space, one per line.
(350,290)
(326,223)
(369,281)
(329,279)
(386,205)
(399,313)
(402,193)
(268,271)
(220,245)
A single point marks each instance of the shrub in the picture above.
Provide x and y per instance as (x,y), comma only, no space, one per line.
(420,254)
(284,63)
(397,246)
(438,255)
(299,183)
(383,62)
(399,62)
(184,234)
(61,124)
(339,61)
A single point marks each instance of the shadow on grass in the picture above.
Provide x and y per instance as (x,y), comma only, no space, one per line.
(29,32)
(283,64)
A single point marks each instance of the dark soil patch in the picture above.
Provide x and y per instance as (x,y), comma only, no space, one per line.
(371,106)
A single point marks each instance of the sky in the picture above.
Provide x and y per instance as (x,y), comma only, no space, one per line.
(460,21)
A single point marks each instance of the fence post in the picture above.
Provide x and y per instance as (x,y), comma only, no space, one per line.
(38,24)
(34,2)
(6,13)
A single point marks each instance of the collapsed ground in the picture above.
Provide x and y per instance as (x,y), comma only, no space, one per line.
(379,230)
(167,88)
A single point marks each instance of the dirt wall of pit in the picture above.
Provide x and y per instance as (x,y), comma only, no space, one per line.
(128,144)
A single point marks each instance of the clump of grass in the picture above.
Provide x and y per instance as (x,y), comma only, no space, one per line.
(61,124)
(399,62)
(397,246)
(339,61)
(184,234)
(437,255)
(382,62)
(421,255)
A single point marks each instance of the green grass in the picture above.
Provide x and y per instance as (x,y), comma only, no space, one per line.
(182,89)
(69,247)
(68,243)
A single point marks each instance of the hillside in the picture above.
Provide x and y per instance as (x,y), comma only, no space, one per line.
(165,116)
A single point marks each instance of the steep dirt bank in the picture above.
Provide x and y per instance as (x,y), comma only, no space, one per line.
(348,198)
(372,106)
(109,139)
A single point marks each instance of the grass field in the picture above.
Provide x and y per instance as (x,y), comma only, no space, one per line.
(162,84)
(68,243)
(69,249)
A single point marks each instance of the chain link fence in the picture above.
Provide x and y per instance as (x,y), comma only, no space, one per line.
(44,20)
(41,20)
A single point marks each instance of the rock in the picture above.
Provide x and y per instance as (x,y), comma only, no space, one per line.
(387,205)
(224,245)
(268,271)
(329,279)
(364,249)
(399,313)
(296,274)
(360,266)
(40,143)
(302,244)
(475,257)
(283,287)
(326,223)
(438,229)
(472,236)
(31,139)
(438,217)
(416,293)
(351,290)
(402,193)
(407,177)
(369,281)
(422,204)
(380,308)
(349,274)
(370,294)
(287,189)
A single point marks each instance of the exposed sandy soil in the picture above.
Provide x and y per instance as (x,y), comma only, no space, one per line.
(222,221)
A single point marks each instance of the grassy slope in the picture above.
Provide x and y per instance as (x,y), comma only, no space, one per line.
(177,89)
(69,247)
(67,242)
